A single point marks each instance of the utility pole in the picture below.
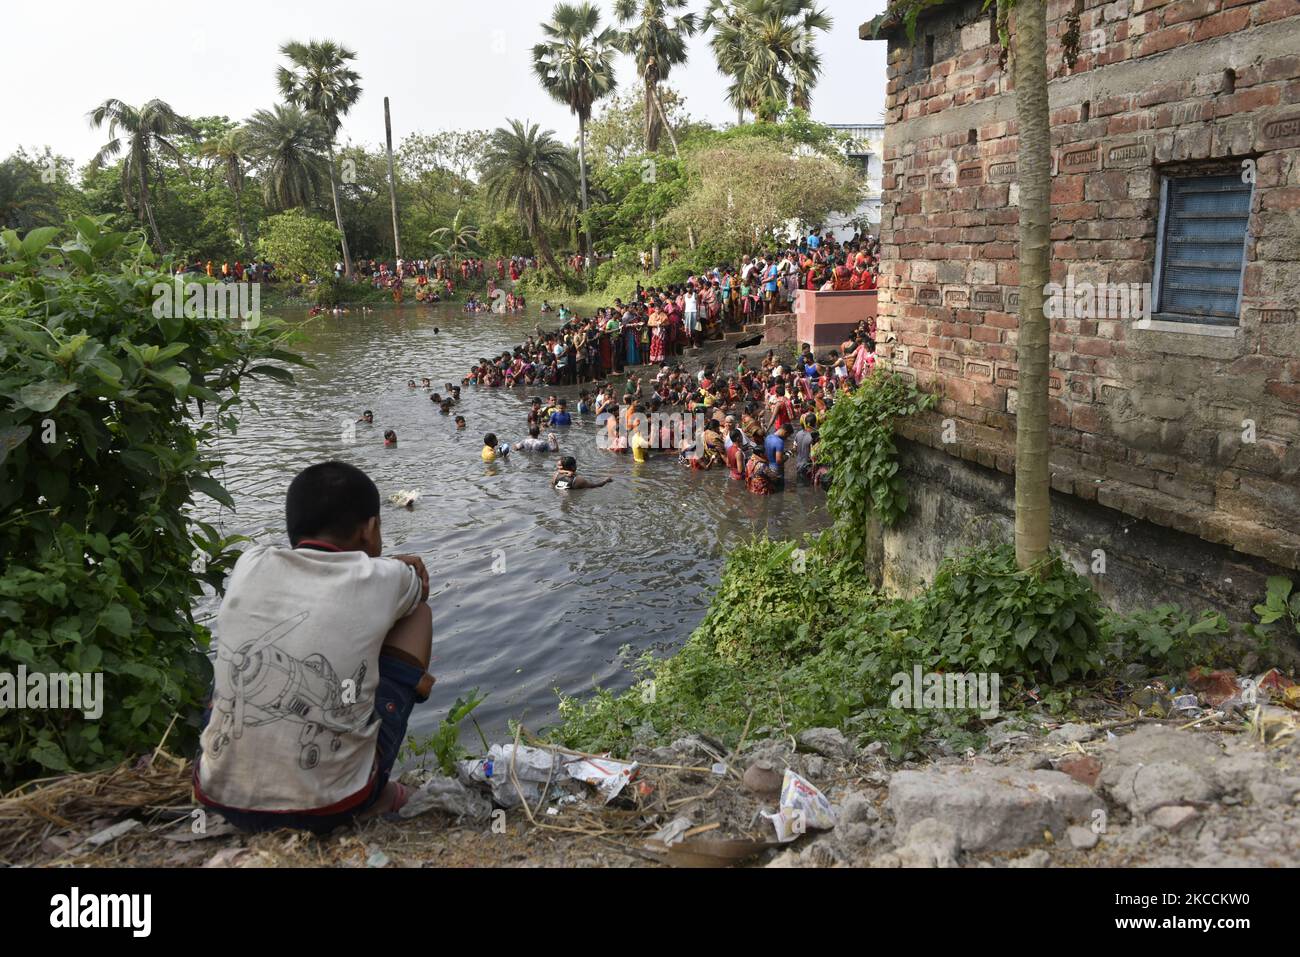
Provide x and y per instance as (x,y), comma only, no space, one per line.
(392,181)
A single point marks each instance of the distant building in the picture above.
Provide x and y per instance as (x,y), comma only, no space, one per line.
(868,153)
(1175,264)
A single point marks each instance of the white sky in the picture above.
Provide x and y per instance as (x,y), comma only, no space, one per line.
(444,64)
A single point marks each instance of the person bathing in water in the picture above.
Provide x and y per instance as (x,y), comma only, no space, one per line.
(535,442)
(357,625)
(566,476)
(492,450)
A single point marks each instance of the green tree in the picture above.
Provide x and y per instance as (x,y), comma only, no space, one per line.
(231,151)
(34,190)
(286,143)
(299,244)
(458,239)
(142,133)
(575,65)
(767,49)
(531,173)
(655,36)
(745,189)
(321,82)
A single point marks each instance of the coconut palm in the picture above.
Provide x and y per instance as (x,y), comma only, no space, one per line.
(232,152)
(655,35)
(322,83)
(531,173)
(459,238)
(287,144)
(766,48)
(144,134)
(576,66)
(26,199)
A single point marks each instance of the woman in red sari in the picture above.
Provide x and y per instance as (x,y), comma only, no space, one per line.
(657,336)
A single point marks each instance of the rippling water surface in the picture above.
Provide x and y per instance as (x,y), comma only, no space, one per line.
(579,574)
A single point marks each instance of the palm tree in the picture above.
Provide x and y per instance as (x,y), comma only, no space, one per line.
(26,201)
(576,66)
(766,48)
(231,150)
(286,143)
(532,173)
(459,237)
(1033,346)
(656,37)
(323,84)
(143,133)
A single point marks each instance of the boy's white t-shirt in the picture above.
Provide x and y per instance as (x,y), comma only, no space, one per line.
(297,666)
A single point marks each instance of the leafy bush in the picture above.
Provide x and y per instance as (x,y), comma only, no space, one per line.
(797,638)
(444,744)
(542,283)
(1165,636)
(1280,605)
(857,441)
(300,244)
(102,450)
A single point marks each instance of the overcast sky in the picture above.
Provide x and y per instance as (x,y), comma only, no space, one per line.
(446,64)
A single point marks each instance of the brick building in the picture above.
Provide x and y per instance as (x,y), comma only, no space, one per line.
(1176,167)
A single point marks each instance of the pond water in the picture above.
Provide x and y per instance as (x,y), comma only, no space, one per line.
(532,590)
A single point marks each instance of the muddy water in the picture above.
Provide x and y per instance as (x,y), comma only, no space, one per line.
(533,590)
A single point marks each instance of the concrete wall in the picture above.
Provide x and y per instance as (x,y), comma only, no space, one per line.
(827,318)
(1148,418)
(955,504)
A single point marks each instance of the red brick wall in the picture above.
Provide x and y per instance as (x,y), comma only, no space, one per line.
(1145,420)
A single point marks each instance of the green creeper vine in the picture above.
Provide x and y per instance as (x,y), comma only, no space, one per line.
(857,441)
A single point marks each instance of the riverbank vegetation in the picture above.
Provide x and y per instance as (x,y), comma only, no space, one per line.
(106,439)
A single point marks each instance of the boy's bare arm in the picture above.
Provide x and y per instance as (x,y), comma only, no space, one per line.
(416,562)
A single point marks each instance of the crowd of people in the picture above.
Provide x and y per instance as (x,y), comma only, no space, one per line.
(750,418)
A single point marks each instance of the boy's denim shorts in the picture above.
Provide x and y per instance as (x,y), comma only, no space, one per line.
(395,698)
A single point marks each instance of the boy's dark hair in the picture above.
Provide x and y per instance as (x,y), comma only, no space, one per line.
(569,463)
(490,440)
(332,498)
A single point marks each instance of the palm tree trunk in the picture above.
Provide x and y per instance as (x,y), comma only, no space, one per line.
(147,206)
(538,232)
(392,181)
(1033,351)
(582,172)
(338,218)
(239,211)
(677,153)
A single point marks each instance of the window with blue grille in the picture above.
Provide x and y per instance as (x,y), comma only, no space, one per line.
(1202,248)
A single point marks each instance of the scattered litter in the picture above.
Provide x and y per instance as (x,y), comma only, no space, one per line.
(449,795)
(802,807)
(112,833)
(406,498)
(604,774)
(672,832)
(377,858)
(552,812)
(719,769)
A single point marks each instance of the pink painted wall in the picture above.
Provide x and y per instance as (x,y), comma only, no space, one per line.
(826,318)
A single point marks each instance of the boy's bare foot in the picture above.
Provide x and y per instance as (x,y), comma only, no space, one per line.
(392,798)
